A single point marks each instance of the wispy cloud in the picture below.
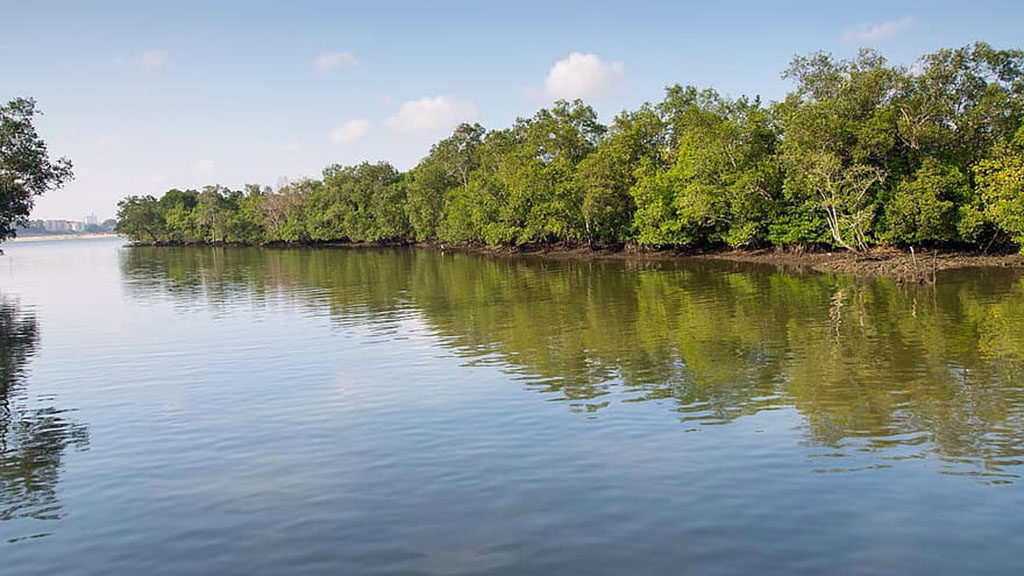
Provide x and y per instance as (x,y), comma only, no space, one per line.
(582,75)
(331,60)
(871,33)
(431,114)
(151,60)
(351,131)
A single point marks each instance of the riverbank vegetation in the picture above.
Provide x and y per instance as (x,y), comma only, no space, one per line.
(860,153)
(26,170)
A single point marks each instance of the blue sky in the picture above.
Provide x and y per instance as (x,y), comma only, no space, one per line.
(144,96)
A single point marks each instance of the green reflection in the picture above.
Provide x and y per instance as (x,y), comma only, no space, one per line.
(33,433)
(870,366)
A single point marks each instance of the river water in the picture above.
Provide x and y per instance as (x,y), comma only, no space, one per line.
(388,411)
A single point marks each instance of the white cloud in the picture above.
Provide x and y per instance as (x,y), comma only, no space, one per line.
(582,76)
(331,60)
(431,114)
(351,131)
(205,167)
(875,32)
(151,60)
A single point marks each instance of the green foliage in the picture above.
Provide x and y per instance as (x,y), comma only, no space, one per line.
(860,153)
(1001,187)
(724,182)
(537,173)
(448,166)
(924,209)
(839,139)
(141,219)
(361,203)
(25,167)
(606,176)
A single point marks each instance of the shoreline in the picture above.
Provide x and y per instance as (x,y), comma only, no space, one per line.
(904,266)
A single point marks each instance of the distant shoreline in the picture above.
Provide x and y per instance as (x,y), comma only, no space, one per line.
(46,237)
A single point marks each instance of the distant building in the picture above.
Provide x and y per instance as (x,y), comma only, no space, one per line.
(64,226)
(91,224)
(57,225)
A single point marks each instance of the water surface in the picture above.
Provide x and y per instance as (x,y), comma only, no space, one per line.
(357,411)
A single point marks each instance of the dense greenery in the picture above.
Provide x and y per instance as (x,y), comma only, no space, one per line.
(860,153)
(25,167)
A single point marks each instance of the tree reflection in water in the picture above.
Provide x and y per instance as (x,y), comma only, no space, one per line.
(33,434)
(871,367)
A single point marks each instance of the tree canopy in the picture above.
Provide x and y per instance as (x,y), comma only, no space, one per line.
(861,152)
(25,167)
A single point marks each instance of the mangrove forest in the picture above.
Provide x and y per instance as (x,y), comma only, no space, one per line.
(860,153)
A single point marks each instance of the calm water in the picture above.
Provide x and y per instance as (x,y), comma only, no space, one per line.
(237,411)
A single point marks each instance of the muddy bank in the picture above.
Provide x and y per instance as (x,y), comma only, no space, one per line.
(920,266)
(905,266)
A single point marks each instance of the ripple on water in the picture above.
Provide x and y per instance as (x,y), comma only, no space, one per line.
(398,411)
